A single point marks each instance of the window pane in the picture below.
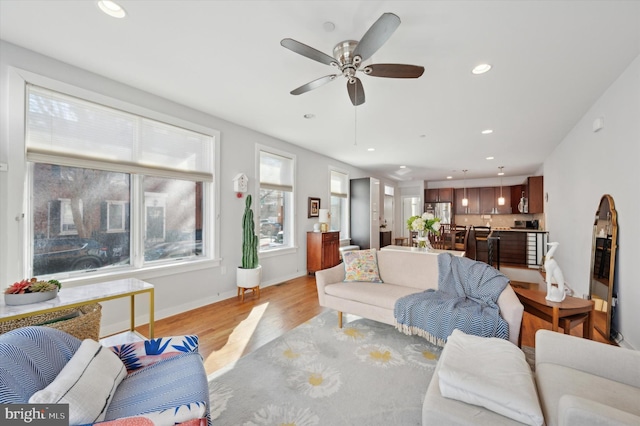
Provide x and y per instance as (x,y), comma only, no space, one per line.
(71,219)
(339,219)
(274,219)
(172,218)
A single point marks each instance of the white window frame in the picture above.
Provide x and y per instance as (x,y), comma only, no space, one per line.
(20,175)
(291,222)
(65,203)
(123,216)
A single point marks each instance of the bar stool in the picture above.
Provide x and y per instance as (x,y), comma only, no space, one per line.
(400,241)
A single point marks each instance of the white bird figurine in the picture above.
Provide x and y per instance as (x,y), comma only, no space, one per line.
(554,294)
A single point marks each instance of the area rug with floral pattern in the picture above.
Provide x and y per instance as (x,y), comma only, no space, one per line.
(366,373)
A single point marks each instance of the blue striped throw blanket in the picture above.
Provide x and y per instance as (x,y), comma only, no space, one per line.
(466,299)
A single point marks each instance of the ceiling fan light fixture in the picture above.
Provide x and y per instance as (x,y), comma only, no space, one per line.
(481,69)
(112,9)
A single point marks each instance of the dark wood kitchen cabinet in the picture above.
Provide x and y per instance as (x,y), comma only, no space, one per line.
(489,200)
(438,195)
(535,189)
(473,195)
(322,250)
(513,246)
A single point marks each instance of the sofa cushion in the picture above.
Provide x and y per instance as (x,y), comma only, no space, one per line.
(167,384)
(492,373)
(87,383)
(382,295)
(140,354)
(361,265)
(554,381)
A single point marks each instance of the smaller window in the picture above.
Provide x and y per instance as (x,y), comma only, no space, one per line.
(115,216)
(340,202)
(276,201)
(67,225)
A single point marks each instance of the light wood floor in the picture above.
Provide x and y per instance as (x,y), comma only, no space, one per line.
(230,329)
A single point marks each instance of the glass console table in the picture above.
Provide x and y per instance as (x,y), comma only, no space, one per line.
(85,295)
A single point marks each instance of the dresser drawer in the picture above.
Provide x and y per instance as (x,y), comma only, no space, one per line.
(330,236)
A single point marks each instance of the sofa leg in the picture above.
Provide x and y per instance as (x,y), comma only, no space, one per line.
(339,319)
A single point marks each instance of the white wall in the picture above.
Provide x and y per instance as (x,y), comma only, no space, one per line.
(587,165)
(175,292)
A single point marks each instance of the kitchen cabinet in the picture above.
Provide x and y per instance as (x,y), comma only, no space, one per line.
(535,190)
(517,192)
(473,195)
(513,247)
(365,213)
(489,200)
(438,195)
(322,250)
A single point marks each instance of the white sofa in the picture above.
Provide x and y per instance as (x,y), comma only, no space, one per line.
(403,273)
(578,382)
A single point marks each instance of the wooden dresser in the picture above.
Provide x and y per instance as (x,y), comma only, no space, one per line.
(322,250)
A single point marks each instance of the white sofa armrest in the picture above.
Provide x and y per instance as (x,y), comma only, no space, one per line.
(511,310)
(574,410)
(588,356)
(328,276)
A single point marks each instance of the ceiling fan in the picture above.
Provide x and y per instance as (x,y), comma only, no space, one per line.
(349,55)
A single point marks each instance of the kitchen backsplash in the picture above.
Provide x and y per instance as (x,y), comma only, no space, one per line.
(497,220)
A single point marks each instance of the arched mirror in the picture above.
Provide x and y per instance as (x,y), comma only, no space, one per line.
(603,265)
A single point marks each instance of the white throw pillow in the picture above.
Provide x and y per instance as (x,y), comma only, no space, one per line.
(492,373)
(87,383)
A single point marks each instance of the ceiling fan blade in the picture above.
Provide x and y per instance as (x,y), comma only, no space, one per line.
(394,70)
(313,84)
(356,91)
(309,52)
(377,35)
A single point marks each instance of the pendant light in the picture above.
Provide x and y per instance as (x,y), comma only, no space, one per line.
(465,200)
(501,199)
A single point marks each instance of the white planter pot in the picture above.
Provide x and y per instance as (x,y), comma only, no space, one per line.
(249,278)
(28,298)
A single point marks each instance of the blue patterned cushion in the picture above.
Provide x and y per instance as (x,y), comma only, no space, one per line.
(166,384)
(141,354)
(30,359)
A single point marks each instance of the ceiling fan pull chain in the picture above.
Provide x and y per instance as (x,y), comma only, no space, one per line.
(355,124)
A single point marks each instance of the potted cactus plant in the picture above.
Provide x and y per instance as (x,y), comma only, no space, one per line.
(249,274)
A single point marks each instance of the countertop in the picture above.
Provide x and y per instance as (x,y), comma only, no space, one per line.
(516,230)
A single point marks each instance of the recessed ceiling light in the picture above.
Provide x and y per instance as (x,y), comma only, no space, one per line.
(371,149)
(481,69)
(449,177)
(309,116)
(487,132)
(423,136)
(403,167)
(111,8)
(489,158)
(329,26)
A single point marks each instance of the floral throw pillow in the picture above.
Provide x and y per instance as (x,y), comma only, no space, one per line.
(141,354)
(361,265)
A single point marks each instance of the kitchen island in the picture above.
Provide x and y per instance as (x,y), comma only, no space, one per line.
(521,246)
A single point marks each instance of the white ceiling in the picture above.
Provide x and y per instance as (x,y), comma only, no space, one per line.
(551,61)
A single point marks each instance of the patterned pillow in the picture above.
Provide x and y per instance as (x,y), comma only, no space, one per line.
(361,265)
(87,383)
(141,354)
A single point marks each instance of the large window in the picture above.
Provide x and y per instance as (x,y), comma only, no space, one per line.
(340,202)
(276,200)
(111,189)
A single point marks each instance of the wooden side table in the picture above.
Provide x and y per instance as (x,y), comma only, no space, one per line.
(568,313)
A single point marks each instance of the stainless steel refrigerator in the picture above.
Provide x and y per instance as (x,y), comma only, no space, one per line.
(442,210)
